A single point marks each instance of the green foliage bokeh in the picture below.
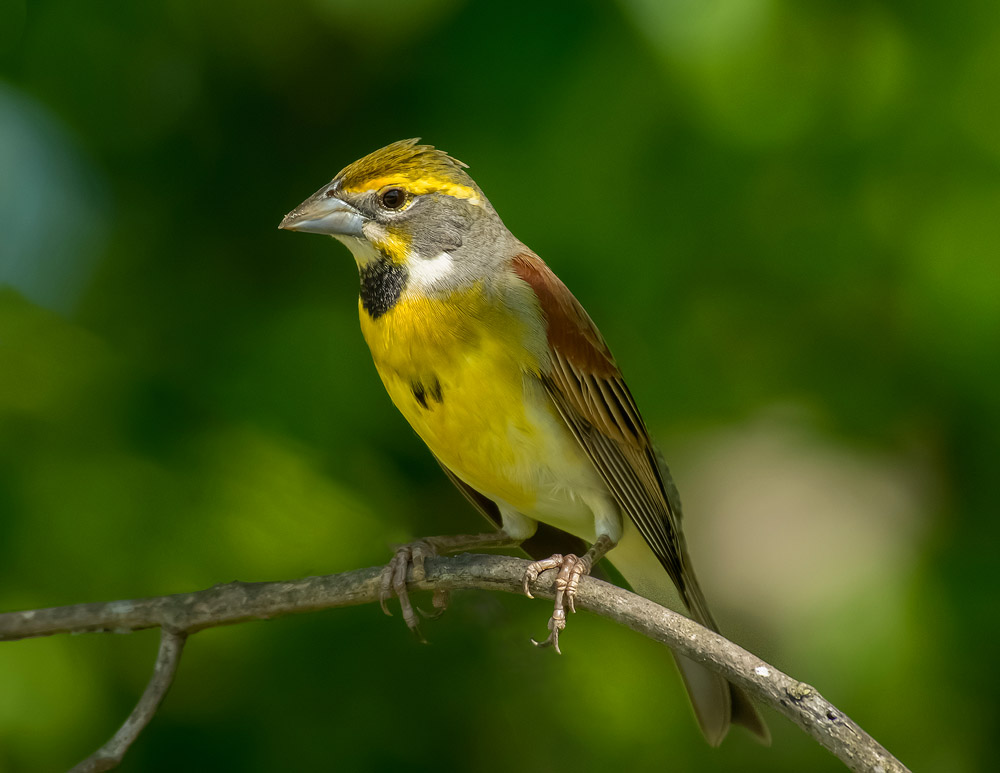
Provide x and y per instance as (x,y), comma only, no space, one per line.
(783,216)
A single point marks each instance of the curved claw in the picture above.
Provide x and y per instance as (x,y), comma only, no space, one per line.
(394,575)
(440,604)
(552,640)
(535,568)
(571,569)
(393,583)
(391,579)
(556,623)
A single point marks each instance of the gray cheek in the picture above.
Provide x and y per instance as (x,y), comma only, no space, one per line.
(438,238)
(439,225)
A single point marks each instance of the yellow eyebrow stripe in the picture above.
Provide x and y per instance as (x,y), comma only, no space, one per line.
(420,186)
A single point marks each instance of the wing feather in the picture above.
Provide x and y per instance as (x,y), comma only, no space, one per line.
(590,394)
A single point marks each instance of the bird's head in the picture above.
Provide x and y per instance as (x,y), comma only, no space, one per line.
(409,204)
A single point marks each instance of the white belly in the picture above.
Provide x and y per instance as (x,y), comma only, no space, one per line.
(570,494)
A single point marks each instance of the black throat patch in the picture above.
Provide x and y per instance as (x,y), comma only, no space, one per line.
(382,282)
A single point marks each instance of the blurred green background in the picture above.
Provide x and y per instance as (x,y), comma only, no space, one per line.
(784,216)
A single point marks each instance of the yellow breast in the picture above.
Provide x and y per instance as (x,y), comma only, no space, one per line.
(457,369)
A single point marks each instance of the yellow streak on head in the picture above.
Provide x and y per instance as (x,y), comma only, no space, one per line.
(419,169)
(425,184)
(394,245)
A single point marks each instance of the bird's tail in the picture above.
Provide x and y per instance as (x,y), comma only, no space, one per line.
(717,703)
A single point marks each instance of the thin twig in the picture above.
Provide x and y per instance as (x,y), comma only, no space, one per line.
(238,602)
(110,755)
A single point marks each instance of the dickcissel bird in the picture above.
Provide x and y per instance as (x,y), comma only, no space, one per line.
(510,384)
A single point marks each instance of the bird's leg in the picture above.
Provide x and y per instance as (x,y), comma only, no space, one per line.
(393,579)
(571,569)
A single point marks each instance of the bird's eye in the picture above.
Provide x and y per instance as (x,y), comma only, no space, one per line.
(393,198)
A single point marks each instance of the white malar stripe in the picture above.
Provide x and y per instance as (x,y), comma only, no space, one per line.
(361,249)
(425,272)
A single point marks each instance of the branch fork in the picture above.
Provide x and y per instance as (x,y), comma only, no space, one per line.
(183,614)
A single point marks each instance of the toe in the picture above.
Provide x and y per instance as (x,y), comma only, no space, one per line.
(385,588)
(571,569)
(535,568)
(439,603)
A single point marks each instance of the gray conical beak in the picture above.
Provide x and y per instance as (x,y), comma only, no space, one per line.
(322,214)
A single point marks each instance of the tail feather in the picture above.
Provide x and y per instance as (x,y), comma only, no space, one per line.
(745,714)
(717,703)
(711,698)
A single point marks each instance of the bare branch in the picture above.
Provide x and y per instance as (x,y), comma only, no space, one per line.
(238,602)
(110,755)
